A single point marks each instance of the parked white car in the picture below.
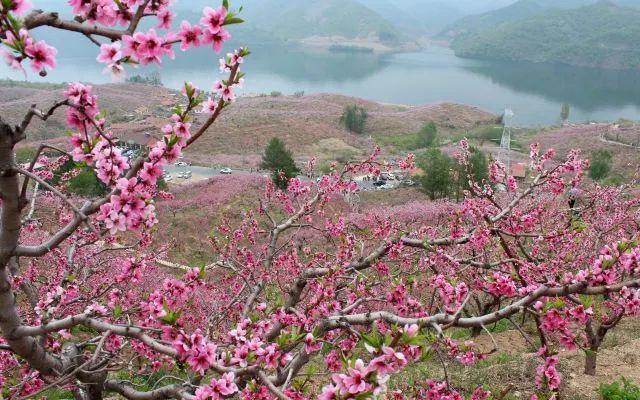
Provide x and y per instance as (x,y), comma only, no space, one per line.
(226,171)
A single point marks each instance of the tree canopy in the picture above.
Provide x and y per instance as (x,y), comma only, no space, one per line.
(279,160)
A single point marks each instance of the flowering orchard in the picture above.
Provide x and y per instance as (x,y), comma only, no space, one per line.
(87,306)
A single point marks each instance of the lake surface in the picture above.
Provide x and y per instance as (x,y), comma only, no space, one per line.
(534,92)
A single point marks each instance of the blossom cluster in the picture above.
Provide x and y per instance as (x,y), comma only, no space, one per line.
(136,48)
(547,375)
(151,47)
(20,46)
(131,207)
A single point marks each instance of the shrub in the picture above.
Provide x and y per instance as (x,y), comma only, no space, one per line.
(354,118)
(600,165)
(86,184)
(436,182)
(275,93)
(299,94)
(428,135)
(625,390)
(152,79)
(489,133)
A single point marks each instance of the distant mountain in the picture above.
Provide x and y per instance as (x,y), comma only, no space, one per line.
(480,6)
(285,20)
(597,35)
(319,22)
(301,19)
(473,24)
(416,17)
(516,10)
(403,19)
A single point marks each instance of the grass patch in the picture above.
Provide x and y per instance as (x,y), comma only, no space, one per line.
(625,390)
(499,359)
(25,154)
(409,141)
(501,326)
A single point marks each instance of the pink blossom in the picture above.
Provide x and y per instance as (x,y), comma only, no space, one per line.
(19,7)
(213,19)
(189,35)
(225,91)
(110,53)
(354,381)
(311,345)
(329,392)
(41,56)
(209,106)
(165,18)
(150,173)
(216,38)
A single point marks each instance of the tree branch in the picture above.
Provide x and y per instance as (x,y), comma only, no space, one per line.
(178,392)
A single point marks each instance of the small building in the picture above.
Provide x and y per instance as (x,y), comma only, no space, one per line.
(518,171)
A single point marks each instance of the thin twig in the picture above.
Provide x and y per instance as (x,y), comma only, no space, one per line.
(272,387)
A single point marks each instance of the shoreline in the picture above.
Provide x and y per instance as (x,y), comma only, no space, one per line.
(171,93)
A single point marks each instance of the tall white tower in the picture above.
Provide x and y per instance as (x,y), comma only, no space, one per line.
(505,143)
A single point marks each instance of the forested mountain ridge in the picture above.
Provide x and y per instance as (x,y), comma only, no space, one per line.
(597,35)
(473,24)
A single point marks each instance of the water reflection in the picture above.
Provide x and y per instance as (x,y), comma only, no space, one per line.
(586,88)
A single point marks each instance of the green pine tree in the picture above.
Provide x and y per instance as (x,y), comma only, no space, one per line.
(354,118)
(279,160)
(436,181)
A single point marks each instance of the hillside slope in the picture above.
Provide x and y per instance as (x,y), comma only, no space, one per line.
(295,21)
(599,35)
(309,125)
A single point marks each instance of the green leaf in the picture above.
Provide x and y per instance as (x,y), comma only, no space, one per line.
(417,340)
(225,4)
(177,109)
(117,311)
(172,316)
(374,339)
(233,20)
(14,22)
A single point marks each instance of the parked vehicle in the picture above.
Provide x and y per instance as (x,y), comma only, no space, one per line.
(226,171)
(409,182)
(379,183)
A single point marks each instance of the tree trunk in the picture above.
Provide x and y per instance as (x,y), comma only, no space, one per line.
(476,331)
(590,361)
